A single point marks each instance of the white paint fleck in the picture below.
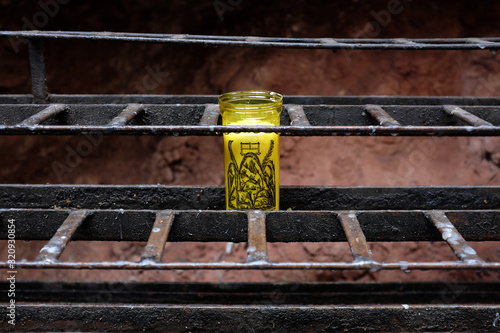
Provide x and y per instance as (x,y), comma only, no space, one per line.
(403,265)
(470,250)
(444,225)
(51,249)
(447,234)
(156,230)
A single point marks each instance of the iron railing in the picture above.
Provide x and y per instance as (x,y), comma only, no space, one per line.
(199,115)
(159,214)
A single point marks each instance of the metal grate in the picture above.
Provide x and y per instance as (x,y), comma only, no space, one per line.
(159,214)
(321,214)
(303,116)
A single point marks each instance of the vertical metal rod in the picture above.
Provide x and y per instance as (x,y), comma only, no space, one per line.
(37,66)
(451,235)
(131,111)
(466,116)
(158,236)
(257,244)
(56,245)
(381,116)
(210,115)
(355,237)
(297,115)
(43,115)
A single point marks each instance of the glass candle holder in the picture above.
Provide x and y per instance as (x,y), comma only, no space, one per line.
(251,160)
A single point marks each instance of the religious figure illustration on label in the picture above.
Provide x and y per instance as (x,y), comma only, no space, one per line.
(252,184)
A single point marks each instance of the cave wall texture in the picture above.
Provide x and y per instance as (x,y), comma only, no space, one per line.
(79,67)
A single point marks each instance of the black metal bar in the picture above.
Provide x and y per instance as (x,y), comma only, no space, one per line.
(283,130)
(297,115)
(357,241)
(273,42)
(291,99)
(54,248)
(458,244)
(129,113)
(381,116)
(167,117)
(210,115)
(468,117)
(298,198)
(434,316)
(37,65)
(324,293)
(257,244)
(158,237)
(43,115)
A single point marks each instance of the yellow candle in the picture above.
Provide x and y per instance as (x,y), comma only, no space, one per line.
(251,160)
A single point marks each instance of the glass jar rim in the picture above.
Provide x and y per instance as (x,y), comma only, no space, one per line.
(271,99)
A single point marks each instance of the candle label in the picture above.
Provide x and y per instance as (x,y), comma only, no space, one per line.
(251,173)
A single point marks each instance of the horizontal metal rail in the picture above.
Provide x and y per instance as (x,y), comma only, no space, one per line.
(172,100)
(282,130)
(259,307)
(137,317)
(472,43)
(312,118)
(474,216)
(325,293)
(132,265)
(204,198)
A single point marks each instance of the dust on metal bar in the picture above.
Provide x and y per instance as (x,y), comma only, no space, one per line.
(475,40)
(260,264)
(43,115)
(257,244)
(401,41)
(182,130)
(297,115)
(54,248)
(381,116)
(210,115)
(280,316)
(356,238)
(270,42)
(158,237)
(37,66)
(131,111)
(466,116)
(451,235)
